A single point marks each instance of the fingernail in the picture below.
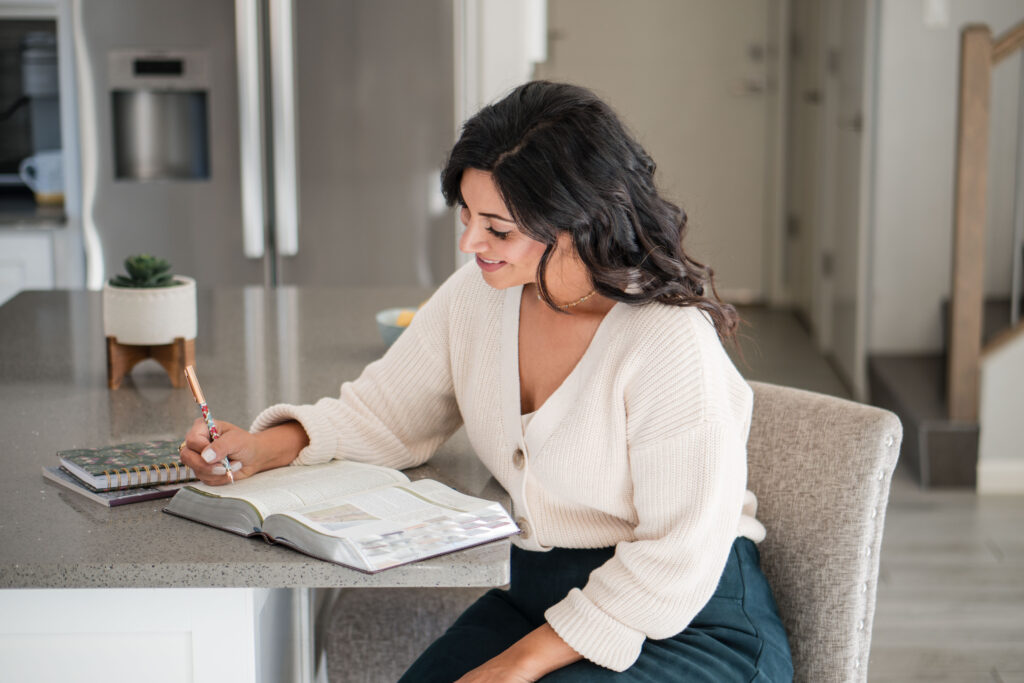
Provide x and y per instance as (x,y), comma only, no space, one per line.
(209,455)
(235,466)
(219,469)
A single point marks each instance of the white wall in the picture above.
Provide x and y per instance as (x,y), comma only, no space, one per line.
(911,254)
(497,44)
(1000,449)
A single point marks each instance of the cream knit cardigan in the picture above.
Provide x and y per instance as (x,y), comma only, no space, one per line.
(642,447)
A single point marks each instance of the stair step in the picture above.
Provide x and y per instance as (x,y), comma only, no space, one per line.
(940,452)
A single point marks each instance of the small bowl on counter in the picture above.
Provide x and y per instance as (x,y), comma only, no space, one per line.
(392,322)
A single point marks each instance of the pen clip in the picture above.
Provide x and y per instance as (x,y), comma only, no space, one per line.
(193,384)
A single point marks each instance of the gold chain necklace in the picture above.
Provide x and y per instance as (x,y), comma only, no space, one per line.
(573,303)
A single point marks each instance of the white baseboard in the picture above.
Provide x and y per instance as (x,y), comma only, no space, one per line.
(1001,477)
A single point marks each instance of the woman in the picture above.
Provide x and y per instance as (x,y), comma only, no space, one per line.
(582,352)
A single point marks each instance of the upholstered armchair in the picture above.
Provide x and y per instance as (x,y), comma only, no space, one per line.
(821,467)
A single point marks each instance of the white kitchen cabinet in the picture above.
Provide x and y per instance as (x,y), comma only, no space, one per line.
(220,635)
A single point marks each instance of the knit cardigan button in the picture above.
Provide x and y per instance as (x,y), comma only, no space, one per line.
(518,458)
(524,527)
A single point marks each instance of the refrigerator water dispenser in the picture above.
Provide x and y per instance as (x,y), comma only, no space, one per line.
(159,107)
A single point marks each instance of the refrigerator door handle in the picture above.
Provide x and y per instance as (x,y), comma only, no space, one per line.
(95,270)
(284,113)
(250,113)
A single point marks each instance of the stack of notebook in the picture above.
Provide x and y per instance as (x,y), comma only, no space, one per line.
(121,474)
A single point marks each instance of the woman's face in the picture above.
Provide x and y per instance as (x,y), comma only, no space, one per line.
(506,256)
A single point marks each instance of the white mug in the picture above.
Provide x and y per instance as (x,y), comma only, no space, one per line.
(44,175)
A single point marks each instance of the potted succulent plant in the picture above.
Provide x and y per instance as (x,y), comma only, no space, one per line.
(149,306)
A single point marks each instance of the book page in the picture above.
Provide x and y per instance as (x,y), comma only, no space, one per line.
(399,524)
(290,488)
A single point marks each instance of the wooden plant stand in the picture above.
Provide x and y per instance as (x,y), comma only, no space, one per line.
(121,358)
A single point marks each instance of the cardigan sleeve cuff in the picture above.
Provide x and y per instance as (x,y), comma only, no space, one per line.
(323,438)
(594,634)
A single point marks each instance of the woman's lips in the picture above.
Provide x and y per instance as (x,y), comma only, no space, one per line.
(488,266)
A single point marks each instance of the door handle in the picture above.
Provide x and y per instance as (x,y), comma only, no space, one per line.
(284,122)
(250,104)
(750,86)
(812,96)
(95,269)
(855,123)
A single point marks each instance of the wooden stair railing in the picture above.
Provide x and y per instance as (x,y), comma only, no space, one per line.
(979,53)
(1008,43)
(1003,338)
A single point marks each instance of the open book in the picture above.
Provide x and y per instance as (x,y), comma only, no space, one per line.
(362,516)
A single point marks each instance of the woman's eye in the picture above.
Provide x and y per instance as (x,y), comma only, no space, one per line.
(499,234)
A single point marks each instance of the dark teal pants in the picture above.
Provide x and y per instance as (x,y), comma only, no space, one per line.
(736,637)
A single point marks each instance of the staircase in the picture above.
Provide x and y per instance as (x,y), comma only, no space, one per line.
(966,402)
(940,451)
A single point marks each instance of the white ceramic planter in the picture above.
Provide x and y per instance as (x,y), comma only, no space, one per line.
(150,316)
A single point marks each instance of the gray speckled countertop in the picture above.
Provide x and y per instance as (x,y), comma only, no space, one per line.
(254,347)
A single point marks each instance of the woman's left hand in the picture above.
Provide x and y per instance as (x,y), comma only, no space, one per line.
(497,671)
(531,658)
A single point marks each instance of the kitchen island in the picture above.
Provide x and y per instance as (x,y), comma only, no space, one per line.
(131,584)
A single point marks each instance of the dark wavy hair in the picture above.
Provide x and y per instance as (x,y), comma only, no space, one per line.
(563,162)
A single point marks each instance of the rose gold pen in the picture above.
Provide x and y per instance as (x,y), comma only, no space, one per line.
(197,393)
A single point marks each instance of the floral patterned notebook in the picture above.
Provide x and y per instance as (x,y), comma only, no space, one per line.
(113,498)
(126,465)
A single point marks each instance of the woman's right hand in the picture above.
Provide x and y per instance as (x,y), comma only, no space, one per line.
(205,456)
(248,453)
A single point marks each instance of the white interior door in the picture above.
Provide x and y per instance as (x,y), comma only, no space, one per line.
(847,203)
(800,258)
(691,79)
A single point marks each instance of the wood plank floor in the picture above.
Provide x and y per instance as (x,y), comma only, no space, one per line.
(951,587)
(951,582)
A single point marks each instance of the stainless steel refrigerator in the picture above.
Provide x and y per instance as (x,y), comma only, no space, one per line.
(267,141)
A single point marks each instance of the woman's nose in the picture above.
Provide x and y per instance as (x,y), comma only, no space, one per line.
(472,239)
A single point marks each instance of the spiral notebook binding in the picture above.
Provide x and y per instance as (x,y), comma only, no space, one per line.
(146,476)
